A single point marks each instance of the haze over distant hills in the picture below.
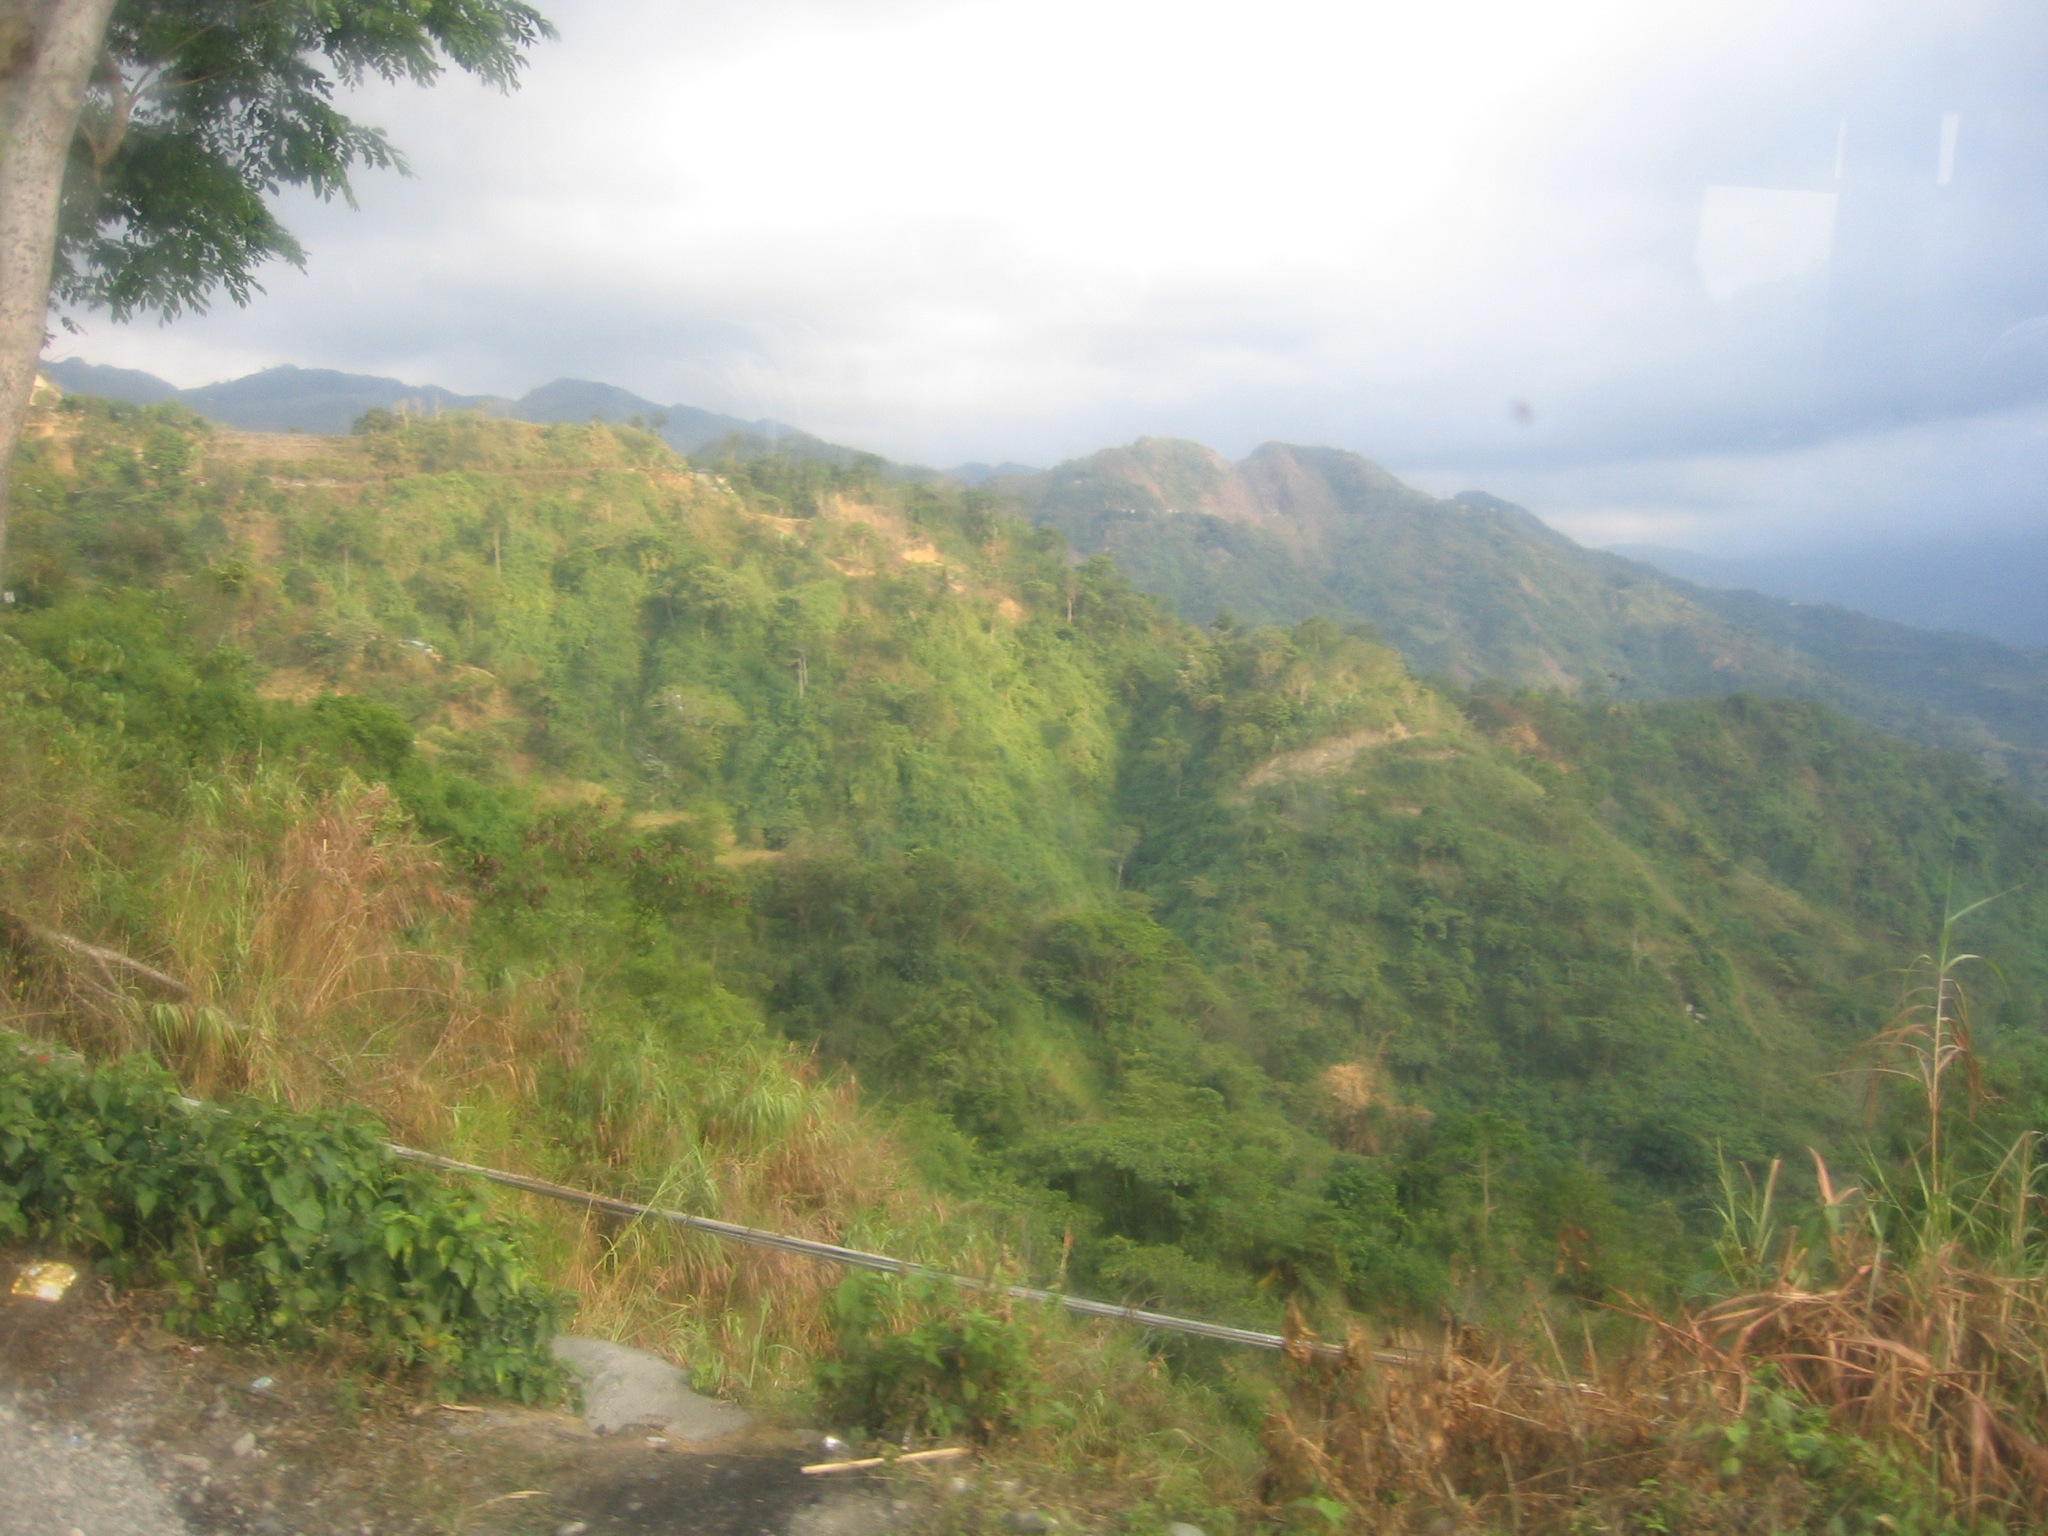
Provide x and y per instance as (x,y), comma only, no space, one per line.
(1476,588)
(322,400)
(1980,585)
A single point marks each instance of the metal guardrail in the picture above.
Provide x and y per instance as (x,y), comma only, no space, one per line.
(856,1258)
(830,1253)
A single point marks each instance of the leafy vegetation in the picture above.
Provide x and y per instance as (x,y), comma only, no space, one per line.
(270,1225)
(919,1362)
(835,854)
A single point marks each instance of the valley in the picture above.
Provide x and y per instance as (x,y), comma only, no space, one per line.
(850,855)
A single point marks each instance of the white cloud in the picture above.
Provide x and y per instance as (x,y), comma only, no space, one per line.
(956,229)
(1960,479)
(1754,237)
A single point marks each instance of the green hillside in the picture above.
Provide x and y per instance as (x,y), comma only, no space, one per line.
(1976,695)
(1477,588)
(1228,954)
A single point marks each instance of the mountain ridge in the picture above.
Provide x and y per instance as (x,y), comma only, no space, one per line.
(1474,587)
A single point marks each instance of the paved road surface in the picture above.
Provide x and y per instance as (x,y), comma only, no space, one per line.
(59,1482)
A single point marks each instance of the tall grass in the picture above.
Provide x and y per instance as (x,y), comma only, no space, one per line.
(319,944)
(1877,1360)
(1914,1308)
(314,945)
(310,935)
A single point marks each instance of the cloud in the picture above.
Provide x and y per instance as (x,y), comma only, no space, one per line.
(1938,479)
(1463,237)
(1764,238)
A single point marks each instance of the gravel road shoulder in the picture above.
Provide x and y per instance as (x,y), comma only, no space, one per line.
(111,1427)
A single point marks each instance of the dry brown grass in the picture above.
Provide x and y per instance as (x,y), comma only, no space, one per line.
(312,944)
(308,933)
(1898,1338)
(763,1140)
(1918,1316)
(1478,1437)
(1365,1114)
(1929,1338)
(1489,1437)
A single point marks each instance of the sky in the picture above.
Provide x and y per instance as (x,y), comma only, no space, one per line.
(1732,277)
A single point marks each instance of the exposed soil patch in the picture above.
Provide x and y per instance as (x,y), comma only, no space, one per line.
(1321,759)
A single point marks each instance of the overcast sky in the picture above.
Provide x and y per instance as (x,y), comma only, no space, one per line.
(1721,275)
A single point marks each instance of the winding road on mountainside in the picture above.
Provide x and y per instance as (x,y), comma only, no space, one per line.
(111,1427)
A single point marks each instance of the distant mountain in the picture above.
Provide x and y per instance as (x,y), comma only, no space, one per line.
(77,377)
(319,400)
(1477,588)
(1469,588)
(327,402)
(1695,566)
(684,428)
(981,474)
(1988,584)
(1967,679)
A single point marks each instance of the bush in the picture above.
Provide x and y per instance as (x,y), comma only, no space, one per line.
(1481,1435)
(271,1225)
(915,1361)
(1856,1488)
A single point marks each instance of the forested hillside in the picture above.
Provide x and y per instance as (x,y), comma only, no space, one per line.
(1218,955)
(1476,588)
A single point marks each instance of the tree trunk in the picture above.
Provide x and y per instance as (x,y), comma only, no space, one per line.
(47,52)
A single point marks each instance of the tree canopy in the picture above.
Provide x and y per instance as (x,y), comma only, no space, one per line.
(145,139)
(199,111)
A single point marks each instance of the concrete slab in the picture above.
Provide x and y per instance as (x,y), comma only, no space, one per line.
(627,1388)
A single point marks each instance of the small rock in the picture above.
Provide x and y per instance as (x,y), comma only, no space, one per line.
(632,1389)
(245,1446)
(262,1384)
(957,1487)
(193,1463)
(657,1442)
(1029,1522)
(1182,1528)
(572,1528)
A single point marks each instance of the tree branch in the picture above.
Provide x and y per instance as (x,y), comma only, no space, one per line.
(99,954)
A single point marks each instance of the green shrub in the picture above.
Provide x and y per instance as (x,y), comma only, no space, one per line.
(1858,1488)
(915,1361)
(271,1225)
